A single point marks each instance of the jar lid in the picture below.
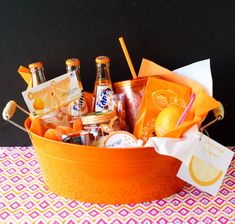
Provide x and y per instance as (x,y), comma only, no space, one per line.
(98,117)
(72,62)
(36,65)
(102,60)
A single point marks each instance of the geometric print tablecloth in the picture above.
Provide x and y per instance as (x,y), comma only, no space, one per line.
(25,199)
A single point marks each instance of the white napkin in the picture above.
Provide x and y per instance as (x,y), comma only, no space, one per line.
(180,148)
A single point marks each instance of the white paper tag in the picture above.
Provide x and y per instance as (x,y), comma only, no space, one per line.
(208,165)
(52,94)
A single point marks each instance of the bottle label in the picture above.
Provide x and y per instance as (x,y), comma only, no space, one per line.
(104,98)
(78,107)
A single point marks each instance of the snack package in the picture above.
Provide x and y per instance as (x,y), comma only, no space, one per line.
(158,95)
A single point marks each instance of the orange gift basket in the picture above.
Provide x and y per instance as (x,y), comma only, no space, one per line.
(113,176)
(101,175)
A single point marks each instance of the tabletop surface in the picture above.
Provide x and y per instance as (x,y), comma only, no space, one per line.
(25,199)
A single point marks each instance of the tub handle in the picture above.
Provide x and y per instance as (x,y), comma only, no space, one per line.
(219,115)
(9,111)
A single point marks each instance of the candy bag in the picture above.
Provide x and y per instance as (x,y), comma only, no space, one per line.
(158,95)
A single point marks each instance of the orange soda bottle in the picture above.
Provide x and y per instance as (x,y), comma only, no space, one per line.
(37,72)
(103,91)
(79,106)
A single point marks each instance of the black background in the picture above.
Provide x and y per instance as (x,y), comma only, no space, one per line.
(170,33)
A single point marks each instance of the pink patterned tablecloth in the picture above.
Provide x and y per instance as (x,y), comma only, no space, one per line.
(25,199)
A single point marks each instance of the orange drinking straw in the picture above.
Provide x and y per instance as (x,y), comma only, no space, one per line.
(123,45)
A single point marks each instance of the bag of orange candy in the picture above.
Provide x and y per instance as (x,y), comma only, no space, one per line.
(166,90)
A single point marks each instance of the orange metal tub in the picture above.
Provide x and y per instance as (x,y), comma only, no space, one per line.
(101,175)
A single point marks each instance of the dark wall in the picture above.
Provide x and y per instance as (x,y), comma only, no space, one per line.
(171,33)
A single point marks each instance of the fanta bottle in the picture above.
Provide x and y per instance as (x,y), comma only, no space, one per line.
(78,107)
(103,91)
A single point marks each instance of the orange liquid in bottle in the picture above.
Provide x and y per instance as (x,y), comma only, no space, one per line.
(103,91)
(78,107)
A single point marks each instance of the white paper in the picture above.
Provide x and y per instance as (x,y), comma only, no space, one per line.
(180,148)
(212,154)
(53,94)
(200,72)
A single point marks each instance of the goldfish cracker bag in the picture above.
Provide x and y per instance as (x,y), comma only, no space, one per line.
(158,95)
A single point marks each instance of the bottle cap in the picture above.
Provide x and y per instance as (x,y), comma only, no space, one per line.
(36,65)
(102,60)
(72,62)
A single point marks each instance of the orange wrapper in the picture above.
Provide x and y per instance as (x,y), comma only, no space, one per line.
(89,99)
(203,102)
(26,75)
(158,95)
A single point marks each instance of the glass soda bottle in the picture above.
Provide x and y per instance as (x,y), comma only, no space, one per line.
(79,106)
(38,77)
(103,91)
(37,72)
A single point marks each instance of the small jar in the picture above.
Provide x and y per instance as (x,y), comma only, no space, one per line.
(99,124)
